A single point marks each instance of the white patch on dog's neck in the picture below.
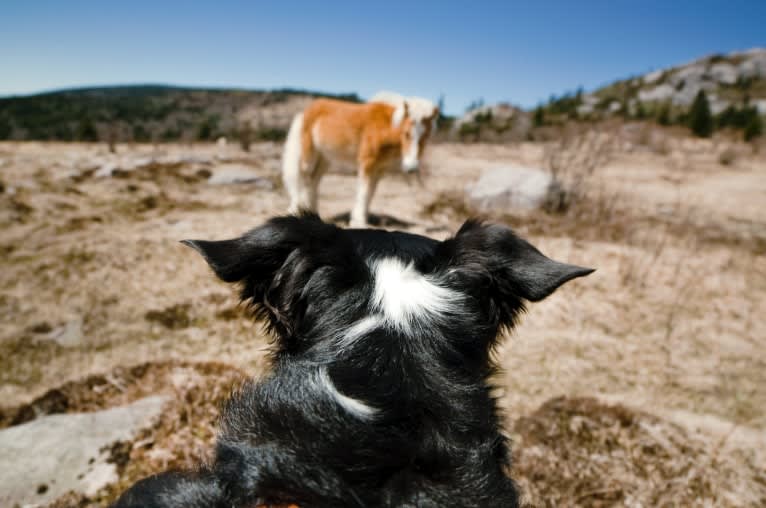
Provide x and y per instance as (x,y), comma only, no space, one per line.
(358,330)
(406,297)
(350,404)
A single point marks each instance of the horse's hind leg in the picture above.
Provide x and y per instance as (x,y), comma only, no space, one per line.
(320,168)
(304,186)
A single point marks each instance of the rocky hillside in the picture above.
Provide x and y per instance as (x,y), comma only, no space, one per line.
(734,86)
(150,113)
(728,80)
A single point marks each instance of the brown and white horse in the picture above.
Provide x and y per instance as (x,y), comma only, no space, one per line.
(388,132)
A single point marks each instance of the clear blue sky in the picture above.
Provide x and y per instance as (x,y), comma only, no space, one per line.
(498,50)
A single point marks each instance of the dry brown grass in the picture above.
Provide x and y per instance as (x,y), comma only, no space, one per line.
(580,452)
(568,452)
(670,326)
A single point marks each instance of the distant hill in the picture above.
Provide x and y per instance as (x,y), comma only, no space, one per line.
(151,113)
(734,86)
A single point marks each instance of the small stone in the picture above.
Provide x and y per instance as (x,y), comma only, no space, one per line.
(234,174)
(68,335)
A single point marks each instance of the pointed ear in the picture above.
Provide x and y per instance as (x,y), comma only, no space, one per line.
(518,270)
(400,113)
(537,276)
(259,253)
(228,258)
(273,264)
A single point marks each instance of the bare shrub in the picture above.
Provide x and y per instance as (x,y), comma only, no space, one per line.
(661,146)
(572,162)
(727,157)
(245,136)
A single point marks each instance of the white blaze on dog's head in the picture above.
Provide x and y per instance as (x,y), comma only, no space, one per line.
(406,298)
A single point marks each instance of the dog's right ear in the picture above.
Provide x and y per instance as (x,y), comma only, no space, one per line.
(505,267)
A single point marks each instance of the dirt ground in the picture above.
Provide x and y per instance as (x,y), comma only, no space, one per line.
(658,358)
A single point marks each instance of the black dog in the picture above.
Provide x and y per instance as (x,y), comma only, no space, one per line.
(379,394)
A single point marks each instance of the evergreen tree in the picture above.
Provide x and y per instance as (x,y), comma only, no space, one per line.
(140,134)
(700,118)
(663,118)
(245,136)
(207,129)
(5,129)
(640,112)
(86,131)
(754,128)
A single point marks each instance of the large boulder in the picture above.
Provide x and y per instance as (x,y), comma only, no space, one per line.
(511,187)
(51,455)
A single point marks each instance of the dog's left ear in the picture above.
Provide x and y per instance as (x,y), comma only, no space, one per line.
(517,269)
(255,257)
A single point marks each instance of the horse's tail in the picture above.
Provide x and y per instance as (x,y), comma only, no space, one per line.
(291,161)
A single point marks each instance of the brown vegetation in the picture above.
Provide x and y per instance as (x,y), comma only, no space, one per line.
(659,355)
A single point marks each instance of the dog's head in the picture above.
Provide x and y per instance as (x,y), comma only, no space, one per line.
(315,282)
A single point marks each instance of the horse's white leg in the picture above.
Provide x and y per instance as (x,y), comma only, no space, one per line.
(292,165)
(313,184)
(367,182)
(304,186)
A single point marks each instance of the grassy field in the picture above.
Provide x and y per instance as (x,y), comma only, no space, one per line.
(641,385)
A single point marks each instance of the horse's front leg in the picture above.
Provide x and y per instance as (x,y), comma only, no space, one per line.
(367,181)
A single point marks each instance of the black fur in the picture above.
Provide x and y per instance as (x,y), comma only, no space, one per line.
(435,437)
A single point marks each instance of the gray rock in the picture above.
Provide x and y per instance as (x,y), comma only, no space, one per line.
(106,170)
(691,72)
(717,105)
(724,73)
(660,93)
(66,452)
(234,174)
(510,187)
(588,105)
(755,64)
(68,334)
(652,76)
